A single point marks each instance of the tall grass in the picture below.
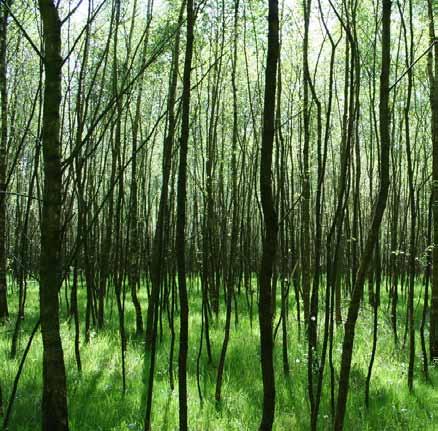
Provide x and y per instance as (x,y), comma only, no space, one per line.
(96,401)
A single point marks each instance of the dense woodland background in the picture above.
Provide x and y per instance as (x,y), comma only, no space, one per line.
(218,215)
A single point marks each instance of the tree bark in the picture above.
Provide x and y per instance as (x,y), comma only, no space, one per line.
(54,406)
(181,220)
(433,79)
(4,313)
(270,221)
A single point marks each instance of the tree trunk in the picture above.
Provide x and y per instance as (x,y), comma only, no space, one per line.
(353,310)
(4,313)
(158,247)
(231,273)
(433,78)
(270,221)
(54,406)
(181,220)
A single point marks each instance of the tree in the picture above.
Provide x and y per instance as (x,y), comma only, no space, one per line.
(433,81)
(54,405)
(181,219)
(4,313)
(231,275)
(158,247)
(385,144)
(270,222)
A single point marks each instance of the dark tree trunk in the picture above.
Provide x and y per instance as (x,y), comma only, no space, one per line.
(353,310)
(270,221)
(181,220)
(158,247)
(230,278)
(54,405)
(409,47)
(433,78)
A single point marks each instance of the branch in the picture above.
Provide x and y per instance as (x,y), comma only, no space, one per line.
(89,21)
(21,195)
(413,64)
(27,37)
(71,12)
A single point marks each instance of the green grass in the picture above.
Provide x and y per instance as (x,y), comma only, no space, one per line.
(96,402)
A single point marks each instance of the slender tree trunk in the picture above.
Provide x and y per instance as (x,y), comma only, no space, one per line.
(409,47)
(231,273)
(305,205)
(4,313)
(353,310)
(181,220)
(375,304)
(427,274)
(433,79)
(159,238)
(320,202)
(133,222)
(75,313)
(54,406)
(270,220)
(158,246)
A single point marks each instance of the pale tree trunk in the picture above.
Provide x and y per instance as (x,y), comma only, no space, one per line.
(4,314)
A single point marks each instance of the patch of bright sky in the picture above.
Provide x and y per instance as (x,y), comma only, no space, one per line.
(81,13)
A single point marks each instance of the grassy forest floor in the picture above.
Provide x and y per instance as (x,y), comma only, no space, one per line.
(96,402)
